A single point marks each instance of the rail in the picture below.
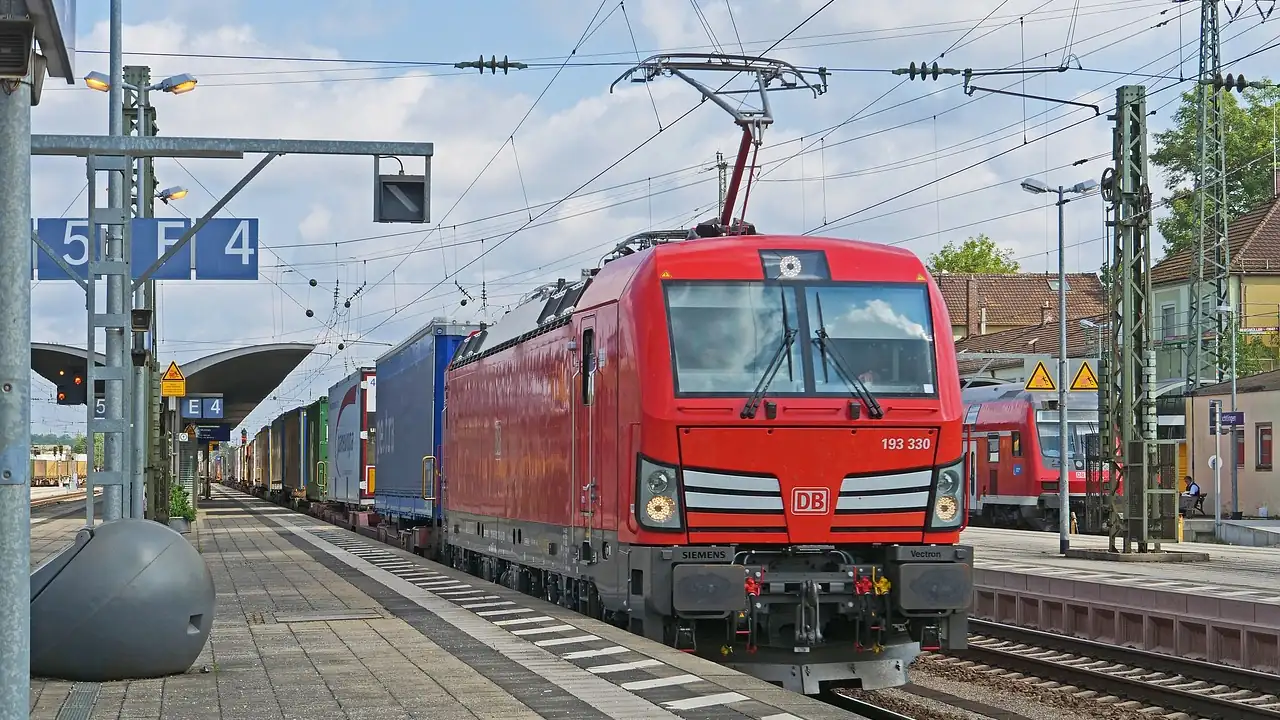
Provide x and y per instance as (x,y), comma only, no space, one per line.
(56,499)
(1196,687)
(861,707)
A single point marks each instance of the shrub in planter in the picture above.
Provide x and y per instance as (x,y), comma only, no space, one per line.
(180,503)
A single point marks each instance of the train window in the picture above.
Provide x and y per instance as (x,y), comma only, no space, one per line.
(588,366)
(1017,444)
(993,447)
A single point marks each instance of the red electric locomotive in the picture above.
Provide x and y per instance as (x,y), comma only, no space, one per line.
(1014,448)
(748,447)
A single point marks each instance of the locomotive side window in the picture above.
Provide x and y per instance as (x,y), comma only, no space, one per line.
(993,447)
(1017,444)
(588,366)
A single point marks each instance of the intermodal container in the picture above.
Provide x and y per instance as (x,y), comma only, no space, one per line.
(291,450)
(352,414)
(408,429)
(315,460)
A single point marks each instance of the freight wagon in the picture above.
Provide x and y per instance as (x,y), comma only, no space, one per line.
(315,450)
(408,424)
(262,458)
(352,447)
(290,454)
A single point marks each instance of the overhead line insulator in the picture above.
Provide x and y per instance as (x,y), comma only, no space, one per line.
(1231,82)
(492,64)
(926,71)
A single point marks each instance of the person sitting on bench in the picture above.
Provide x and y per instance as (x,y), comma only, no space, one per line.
(1191,497)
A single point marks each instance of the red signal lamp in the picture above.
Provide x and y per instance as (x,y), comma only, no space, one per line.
(78,380)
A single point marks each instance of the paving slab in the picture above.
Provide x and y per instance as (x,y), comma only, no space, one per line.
(317,622)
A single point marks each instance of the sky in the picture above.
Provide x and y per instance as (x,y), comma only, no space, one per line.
(877,157)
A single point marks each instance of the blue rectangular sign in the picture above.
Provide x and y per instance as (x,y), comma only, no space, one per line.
(1233,418)
(213,433)
(211,408)
(224,249)
(191,407)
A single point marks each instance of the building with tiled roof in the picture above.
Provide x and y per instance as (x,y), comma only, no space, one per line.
(1254,288)
(985,303)
(1083,341)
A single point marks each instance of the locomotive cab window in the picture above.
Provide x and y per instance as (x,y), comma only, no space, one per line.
(588,366)
(1016,442)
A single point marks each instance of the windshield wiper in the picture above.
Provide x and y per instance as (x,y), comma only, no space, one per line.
(860,389)
(783,352)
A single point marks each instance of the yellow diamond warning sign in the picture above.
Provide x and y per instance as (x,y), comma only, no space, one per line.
(173,383)
(1084,379)
(1041,379)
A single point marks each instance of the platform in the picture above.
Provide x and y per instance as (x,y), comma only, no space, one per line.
(318,622)
(1225,609)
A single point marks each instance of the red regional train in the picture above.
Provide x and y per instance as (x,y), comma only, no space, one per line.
(747,447)
(1013,446)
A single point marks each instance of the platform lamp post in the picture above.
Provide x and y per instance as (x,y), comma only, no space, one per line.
(1037,187)
(144,300)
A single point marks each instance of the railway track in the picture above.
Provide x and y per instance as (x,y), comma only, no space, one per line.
(861,707)
(56,499)
(1175,684)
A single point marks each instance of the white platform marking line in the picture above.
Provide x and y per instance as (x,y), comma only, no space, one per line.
(456,593)
(660,682)
(781,716)
(509,611)
(522,621)
(565,641)
(602,652)
(542,630)
(702,701)
(622,667)
(473,606)
(609,698)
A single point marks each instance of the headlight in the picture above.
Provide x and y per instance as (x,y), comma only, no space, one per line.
(659,481)
(949,480)
(948,497)
(658,497)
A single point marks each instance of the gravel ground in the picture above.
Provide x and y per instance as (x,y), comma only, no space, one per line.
(1003,695)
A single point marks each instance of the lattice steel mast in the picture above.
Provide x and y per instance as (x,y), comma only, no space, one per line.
(1128,421)
(1211,256)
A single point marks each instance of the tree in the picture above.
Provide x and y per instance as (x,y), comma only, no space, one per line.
(1249,180)
(976,255)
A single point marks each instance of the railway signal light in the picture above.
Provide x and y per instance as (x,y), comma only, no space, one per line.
(72,389)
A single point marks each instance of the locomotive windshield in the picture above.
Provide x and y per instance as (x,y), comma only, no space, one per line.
(724,335)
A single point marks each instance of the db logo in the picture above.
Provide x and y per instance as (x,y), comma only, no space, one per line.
(810,501)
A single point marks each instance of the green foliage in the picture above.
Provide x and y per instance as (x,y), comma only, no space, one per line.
(1249,180)
(1253,355)
(180,503)
(976,255)
(51,439)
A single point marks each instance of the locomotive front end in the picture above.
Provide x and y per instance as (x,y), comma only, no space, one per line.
(799,492)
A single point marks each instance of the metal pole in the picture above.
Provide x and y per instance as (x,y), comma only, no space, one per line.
(1216,411)
(1064,490)
(141,299)
(114,497)
(1235,444)
(15,399)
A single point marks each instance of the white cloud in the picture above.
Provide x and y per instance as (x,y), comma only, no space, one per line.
(910,137)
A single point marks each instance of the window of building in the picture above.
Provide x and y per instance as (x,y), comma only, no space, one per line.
(1168,321)
(1264,446)
(1239,447)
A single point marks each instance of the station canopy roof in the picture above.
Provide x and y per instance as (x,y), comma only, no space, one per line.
(243,376)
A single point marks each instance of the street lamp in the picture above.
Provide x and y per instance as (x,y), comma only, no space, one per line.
(175,84)
(177,192)
(1037,187)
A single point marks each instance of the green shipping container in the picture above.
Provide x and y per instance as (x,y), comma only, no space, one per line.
(315,462)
